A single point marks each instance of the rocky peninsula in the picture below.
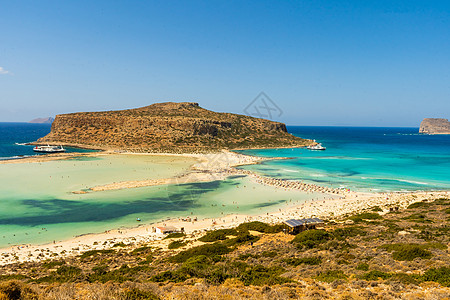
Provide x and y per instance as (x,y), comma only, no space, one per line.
(168,127)
(435,126)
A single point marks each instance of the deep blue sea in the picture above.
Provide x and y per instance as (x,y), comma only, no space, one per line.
(364,158)
(13,137)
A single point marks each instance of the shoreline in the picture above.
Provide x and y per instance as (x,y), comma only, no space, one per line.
(332,209)
(212,166)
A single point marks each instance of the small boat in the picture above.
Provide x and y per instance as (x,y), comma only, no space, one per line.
(49,149)
(317,146)
(138,219)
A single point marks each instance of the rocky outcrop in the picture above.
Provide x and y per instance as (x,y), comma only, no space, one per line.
(435,126)
(48,120)
(168,127)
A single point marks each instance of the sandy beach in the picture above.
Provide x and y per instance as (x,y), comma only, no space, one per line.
(218,166)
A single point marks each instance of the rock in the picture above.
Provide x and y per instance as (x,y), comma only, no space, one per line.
(403,232)
(435,126)
(168,127)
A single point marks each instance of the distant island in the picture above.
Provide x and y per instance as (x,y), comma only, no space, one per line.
(435,126)
(169,127)
(48,120)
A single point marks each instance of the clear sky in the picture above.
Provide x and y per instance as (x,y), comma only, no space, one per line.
(374,63)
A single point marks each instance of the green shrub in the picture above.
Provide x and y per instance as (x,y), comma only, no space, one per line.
(407,251)
(418,205)
(247,255)
(12,277)
(376,208)
(269,253)
(362,267)
(124,273)
(241,239)
(440,275)
(95,252)
(169,276)
(52,264)
(365,216)
(200,266)
(66,273)
(311,238)
(295,261)
(337,245)
(376,275)
(260,227)
(141,250)
(418,217)
(331,275)
(260,275)
(207,249)
(351,231)
(175,235)
(176,244)
(137,294)
(218,235)
(404,278)
(442,201)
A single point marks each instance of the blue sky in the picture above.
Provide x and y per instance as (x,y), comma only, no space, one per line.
(373,63)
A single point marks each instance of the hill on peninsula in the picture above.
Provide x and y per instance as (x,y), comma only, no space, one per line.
(168,127)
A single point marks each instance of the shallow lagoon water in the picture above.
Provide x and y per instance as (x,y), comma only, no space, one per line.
(364,159)
(37,204)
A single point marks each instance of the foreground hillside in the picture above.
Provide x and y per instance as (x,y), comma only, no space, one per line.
(168,127)
(371,255)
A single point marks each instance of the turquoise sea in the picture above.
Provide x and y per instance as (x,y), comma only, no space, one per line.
(37,204)
(364,159)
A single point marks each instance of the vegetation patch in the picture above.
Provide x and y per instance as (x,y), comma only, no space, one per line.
(362,267)
(94,253)
(376,275)
(176,244)
(407,251)
(259,227)
(270,254)
(260,275)
(175,235)
(207,249)
(363,217)
(331,275)
(124,273)
(140,250)
(240,240)
(134,293)
(440,275)
(296,261)
(419,205)
(418,217)
(311,238)
(218,235)
(346,232)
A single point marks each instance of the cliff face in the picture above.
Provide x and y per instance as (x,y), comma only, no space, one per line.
(170,127)
(435,126)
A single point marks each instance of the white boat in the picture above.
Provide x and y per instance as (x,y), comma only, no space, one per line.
(317,146)
(49,149)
